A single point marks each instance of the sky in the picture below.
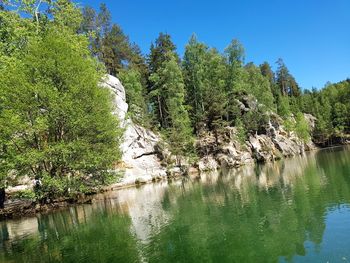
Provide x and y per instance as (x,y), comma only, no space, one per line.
(311,36)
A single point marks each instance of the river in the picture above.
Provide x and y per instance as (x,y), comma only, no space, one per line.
(294,210)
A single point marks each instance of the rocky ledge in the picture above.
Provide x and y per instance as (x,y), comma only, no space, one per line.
(143,159)
(226,151)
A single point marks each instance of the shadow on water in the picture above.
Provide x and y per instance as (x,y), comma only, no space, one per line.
(285,211)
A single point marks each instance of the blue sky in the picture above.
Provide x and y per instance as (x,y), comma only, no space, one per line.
(312,36)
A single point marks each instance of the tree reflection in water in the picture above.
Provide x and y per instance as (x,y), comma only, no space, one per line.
(253,214)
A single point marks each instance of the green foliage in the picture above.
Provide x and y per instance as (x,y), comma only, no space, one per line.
(259,86)
(216,100)
(54,118)
(283,107)
(135,95)
(241,131)
(194,72)
(56,123)
(299,125)
(285,81)
(25,194)
(204,74)
(170,90)
(331,107)
(159,52)
(289,124)
(109,43)
(302,127)
(255,121)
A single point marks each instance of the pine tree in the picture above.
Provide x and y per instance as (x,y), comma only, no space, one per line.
(158,53)
(285,81)
(163,51)
(110,44)
(170,90)
(215,97)
(235,76)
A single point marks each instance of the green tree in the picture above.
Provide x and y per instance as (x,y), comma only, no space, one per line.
(235,76)
(216,101)
(259,86)
(267,72)
(55,121)
(159,52)
(110,44)
(163,51)
(135,95)
(283,107)
(169,81)
(285,80)
(302,127)
(194,68)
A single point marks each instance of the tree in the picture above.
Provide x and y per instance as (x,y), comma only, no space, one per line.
(259,86)
(302,127)
(104,19)
(215,95)
(135,95)
(163,51)
(286,81)
(267,72)
(283,107)
(158,53)
(110,44)
(177,126)
(235,76)
(115,50)
(55,121)
(194,70)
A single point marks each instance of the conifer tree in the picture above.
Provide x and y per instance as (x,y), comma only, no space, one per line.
(170,89)
(235,76)
(163,51)
(215,95)
(194,68)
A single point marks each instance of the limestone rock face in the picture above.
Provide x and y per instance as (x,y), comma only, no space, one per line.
(140,151)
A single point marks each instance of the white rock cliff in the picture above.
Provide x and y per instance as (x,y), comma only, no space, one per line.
(139,145)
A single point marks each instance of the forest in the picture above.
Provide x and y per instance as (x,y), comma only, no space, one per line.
(56,123)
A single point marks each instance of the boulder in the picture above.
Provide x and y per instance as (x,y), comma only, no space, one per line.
(263,148)
(207,163)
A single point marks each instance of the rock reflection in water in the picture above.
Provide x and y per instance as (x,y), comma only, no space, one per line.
(263,213)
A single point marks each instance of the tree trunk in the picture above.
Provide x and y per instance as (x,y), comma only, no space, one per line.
(160,112)
(2,197)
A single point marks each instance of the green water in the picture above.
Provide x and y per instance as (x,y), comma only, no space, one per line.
(297,210)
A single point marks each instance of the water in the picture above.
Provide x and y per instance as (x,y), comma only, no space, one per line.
(297,210)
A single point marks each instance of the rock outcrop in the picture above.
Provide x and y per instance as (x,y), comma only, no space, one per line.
(226,151)
(140,149)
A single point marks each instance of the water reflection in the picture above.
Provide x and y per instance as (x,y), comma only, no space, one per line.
(276,212)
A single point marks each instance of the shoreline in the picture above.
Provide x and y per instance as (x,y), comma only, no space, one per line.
(21,208)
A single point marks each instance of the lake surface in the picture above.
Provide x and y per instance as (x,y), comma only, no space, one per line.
(297,210)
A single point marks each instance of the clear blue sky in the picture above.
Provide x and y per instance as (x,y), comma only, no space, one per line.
(312,36)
